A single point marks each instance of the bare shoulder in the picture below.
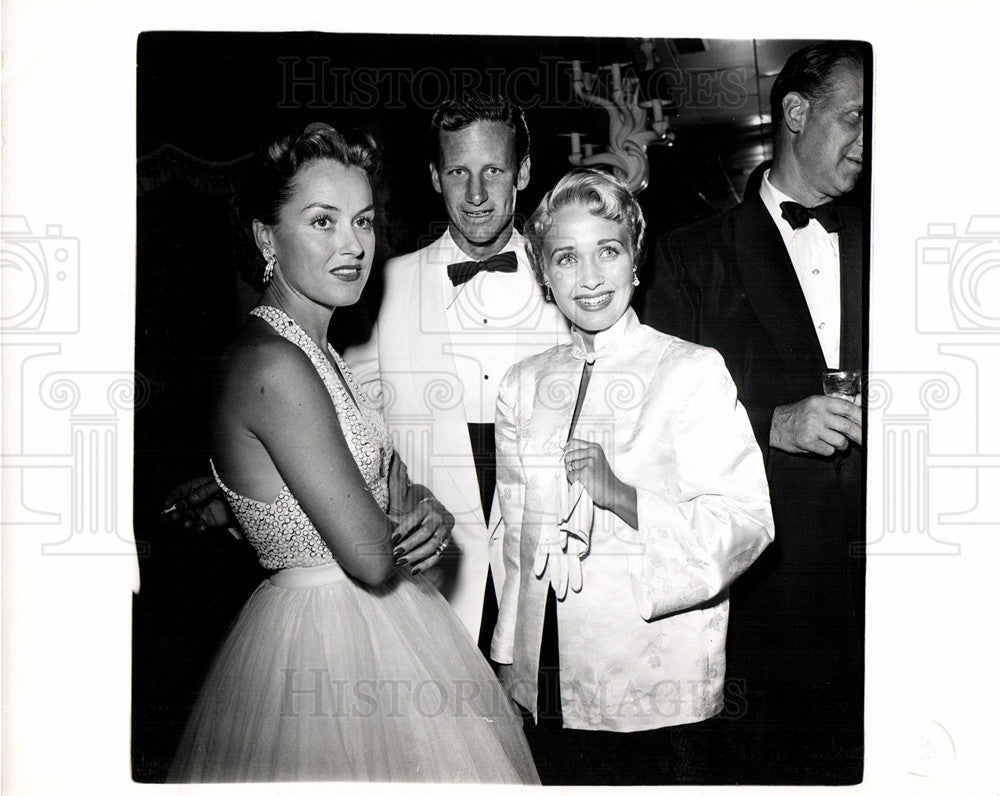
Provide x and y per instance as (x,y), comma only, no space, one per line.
(261,364)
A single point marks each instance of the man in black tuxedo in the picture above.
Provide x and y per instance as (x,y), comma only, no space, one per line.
(778,285)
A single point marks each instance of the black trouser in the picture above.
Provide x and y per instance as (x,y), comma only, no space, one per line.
(484,453)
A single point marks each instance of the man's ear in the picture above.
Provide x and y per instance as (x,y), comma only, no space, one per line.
(435,177)
(523,173)
(793,111)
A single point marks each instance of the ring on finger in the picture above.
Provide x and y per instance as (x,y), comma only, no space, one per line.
(441,547)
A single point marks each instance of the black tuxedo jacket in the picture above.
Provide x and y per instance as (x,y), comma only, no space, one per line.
(728,283)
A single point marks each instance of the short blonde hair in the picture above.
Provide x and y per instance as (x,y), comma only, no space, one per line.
(602,194)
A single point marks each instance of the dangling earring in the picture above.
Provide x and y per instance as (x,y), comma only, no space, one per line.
(271,260)
(548,292)
(635,277)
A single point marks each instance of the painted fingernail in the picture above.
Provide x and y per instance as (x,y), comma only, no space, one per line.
(401,561)
(396,537)
(415,571)
(397,552)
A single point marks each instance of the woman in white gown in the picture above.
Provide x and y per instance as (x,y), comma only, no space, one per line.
(631,485)
(345,664)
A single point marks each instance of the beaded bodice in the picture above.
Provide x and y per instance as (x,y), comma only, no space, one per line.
(280,532)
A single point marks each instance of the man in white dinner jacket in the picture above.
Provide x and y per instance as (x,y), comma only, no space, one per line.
(454,317)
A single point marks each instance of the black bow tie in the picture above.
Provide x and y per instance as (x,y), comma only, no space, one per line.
(460,273)
(798,216)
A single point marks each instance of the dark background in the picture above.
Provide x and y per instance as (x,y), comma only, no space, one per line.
(205,102)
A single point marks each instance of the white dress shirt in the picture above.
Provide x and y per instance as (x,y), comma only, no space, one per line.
(485,317)
(815,255)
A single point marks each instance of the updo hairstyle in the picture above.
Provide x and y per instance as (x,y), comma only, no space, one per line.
(602,194)
(268,182)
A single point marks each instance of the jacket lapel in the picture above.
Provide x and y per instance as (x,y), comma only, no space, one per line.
(437,387)
(771,286)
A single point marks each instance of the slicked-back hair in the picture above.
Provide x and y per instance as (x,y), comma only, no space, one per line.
(602,195)
(457,114)
(268,182)
(809,71)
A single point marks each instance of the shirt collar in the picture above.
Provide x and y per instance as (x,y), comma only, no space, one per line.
(451,253)
(606,341)
(772,199)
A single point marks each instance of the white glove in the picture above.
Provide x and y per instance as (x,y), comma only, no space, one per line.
(562,544)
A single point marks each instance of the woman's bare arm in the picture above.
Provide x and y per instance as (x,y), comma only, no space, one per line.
(273,393)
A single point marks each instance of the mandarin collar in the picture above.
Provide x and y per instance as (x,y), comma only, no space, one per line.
(606,341)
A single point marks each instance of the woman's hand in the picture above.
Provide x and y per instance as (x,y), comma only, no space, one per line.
(422,535)
(587,463)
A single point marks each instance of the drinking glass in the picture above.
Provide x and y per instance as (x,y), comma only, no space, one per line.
(842,383)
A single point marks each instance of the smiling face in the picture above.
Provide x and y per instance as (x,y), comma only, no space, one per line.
(828,146)
(479,179)
(324,240)
(588,264)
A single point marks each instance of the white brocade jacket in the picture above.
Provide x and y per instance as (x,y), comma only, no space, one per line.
(642,645)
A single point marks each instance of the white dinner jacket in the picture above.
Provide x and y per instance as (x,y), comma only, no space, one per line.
(408,364)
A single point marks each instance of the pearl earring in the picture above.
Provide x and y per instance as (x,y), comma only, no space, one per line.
(548,292)
(635,277)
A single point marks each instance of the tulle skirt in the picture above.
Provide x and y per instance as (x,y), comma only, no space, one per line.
(323,678)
